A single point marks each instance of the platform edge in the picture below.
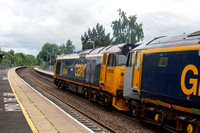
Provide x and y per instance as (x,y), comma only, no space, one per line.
(32,126)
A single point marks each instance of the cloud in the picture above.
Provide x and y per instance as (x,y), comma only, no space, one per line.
(167,24)
(28,24)
(26,51)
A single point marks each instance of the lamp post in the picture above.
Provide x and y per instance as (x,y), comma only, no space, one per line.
(93,44)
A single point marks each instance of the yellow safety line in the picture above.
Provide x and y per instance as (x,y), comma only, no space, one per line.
(32,126)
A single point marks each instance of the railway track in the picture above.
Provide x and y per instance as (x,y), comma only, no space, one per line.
(70,109)
(45,85)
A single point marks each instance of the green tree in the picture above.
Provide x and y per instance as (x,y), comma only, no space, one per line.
(31,60)
(126,29)
(67,48)
(6,59)
(97,36)
(20,59)
(11,56)
(48,51)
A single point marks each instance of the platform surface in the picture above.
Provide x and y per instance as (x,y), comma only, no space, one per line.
(12,119)
(41,114)
(44,71)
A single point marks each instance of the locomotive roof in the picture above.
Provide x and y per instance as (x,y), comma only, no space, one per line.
(125,48)
(164,41)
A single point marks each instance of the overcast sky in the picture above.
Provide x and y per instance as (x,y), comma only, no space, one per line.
(26,25)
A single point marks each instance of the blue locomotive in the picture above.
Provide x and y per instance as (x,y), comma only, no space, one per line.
(162,82)
(97,74)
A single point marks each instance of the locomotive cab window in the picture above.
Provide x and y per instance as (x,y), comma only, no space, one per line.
(130,60)
(104,61)
(163,62)
(138,59)
(122,59)
(58,68)
(111,60)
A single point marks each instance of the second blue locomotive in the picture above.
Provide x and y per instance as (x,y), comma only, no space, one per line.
(162,82)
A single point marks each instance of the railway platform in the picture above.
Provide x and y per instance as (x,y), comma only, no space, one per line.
(41,114)
(12,119)
(43,71)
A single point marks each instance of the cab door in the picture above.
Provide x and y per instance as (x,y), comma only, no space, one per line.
(137,69)
(128,77)
(103,71)
(110,72)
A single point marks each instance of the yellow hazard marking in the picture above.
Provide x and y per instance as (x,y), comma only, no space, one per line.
(32,126)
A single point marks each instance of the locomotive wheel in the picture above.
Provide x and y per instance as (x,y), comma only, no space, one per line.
(62,86)
(107,100)
(94,96)
(55,81)
(85,94)
(134,109)
(58,84)
(135,112)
